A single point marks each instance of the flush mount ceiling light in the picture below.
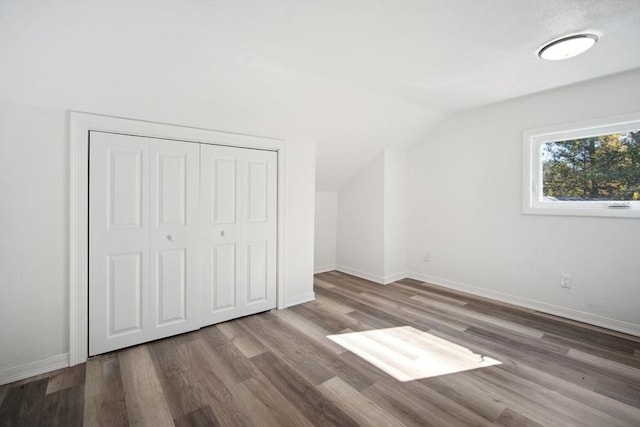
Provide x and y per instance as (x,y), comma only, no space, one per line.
(567,47)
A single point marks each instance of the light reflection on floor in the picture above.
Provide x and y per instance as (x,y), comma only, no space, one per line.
(409,354)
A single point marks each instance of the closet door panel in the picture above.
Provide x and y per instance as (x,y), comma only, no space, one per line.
(143,240)
(221,233)
(239,199)
(118,241)
(174,236)
(261,229)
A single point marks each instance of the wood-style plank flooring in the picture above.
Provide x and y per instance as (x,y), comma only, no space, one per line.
(279,369)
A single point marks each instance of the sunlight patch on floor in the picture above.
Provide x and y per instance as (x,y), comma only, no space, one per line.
(409,354)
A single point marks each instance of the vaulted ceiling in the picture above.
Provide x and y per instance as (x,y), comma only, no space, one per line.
(354,76)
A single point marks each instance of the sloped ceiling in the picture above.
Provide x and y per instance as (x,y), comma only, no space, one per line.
(354,76)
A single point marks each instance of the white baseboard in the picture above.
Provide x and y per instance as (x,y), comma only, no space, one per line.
(580,316)
(395,277)
(359,273)
(31,369)
(324,268)
(301,299)
(382,280)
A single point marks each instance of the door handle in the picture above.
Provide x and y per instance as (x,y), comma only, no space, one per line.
(171,237)
(222,233)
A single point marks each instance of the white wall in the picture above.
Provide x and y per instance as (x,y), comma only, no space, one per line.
(465,209)
(372,232)
(395,215)
(34,224)
(326,223)
(360,241)
(299,226)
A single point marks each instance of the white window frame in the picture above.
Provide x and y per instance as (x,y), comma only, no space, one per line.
(532,140)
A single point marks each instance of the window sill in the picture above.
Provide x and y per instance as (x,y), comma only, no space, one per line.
(596,211)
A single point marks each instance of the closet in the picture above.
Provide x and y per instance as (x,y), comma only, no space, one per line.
(181,235)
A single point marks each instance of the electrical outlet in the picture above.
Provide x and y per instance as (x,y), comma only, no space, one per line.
(565,281)
(426,257)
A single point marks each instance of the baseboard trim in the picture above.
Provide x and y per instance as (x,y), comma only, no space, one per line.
(395,277)
(31,369)
(301,299)
(324,268)
(359,273)
(382,280)
(580,316)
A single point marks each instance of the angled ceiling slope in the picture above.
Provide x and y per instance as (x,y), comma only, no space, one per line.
(354,76)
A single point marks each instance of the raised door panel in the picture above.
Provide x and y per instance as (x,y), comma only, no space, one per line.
(124,183)
(257,191)
(257,271)
(224,190)
(224,284)
(171,201)
(171,286)
(124,297)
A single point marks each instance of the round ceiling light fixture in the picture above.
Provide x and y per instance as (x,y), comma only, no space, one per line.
(567,47)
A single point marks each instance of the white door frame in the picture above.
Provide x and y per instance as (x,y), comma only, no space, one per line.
(80,126)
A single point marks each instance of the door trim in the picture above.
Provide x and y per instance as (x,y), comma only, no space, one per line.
(80,126)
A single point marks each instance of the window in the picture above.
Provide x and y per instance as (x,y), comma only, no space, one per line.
(589,168)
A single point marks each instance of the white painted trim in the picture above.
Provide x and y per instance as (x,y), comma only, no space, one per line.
(300,300)
(580,316)
(80,125)
(282,182)
(31,369)
(382,280)
(359,273)
(390,278)
(324,268)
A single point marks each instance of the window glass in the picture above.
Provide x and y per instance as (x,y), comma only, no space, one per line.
(603,167)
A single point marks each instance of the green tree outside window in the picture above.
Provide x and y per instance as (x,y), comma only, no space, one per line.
(604,167)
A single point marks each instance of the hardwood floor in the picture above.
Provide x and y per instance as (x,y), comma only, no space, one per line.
(279,369)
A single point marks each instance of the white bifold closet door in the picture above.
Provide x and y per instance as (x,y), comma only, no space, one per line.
(181,235)
(144,244)
(238,214)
